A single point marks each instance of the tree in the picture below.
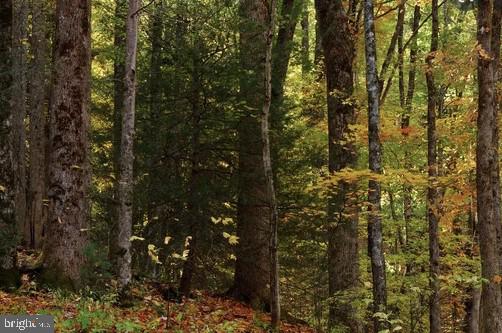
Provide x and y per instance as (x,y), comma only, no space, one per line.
(8,227)
(407,111)
(196,217)
(487,167)
(118,105)
(254,209)
(305,49)
(275,306)
(338,43)
(375,238)
(19,70)
(68,160)
(432,190)
(38,115)
(126,179)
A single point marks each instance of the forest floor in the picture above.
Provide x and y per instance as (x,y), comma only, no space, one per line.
(149,313)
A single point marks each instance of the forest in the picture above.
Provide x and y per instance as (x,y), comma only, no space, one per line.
(327,166)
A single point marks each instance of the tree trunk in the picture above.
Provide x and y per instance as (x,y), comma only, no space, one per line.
(400,54)
(252,269)
(472,311)
(38,118)
(8,228)
(154,128)
(275,307)
(487,173)
(432,190)
(19,69)
(405,120)
(196,218)
(155,104)
(375,239)
(290,13)
(281,55)
(126,178)
(118,106)
(68,165)
(398,31)
(338,42)
(495,44)
(305,50)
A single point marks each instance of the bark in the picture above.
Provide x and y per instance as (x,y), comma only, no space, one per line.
(338,42)
(305,49)
(19,70)
(432,190)
(8,275)
(196,217)
(275,307)
(495,44)
(400,55)
(126,179)
(393,43)
(375,239)
(472,311)
(155,103)
(37,214)
(290,13)
(487,172)
(405,125)
(68,161)
(252,270)
(154,129)
(281,54)
(118,105)
(413,67)
(318,44)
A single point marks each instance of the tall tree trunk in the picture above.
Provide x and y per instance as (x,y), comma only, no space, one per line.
(432,190)
(400,55)
(338,42)
(19,69)
(398,31)
(155,97)
(68,165)
(405,119)
(275,306)
(290,13)
(154,131)
(318,43)
(196,217)
(126,178)
(281,55)
(8,228)
(487,172)
(38,115)
(305,50)
(118,106)
(495,44)
(252,269)
(472,311)
(375,238)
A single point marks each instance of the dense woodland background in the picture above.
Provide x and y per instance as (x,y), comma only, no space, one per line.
(335,162)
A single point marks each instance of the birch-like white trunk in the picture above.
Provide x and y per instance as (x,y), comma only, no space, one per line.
(126,149)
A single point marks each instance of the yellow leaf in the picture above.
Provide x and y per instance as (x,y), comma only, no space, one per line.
(232,240)
(153,252)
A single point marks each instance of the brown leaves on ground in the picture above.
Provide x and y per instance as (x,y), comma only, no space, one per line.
(151,313)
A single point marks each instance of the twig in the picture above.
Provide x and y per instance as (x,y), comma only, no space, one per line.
(142,8)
